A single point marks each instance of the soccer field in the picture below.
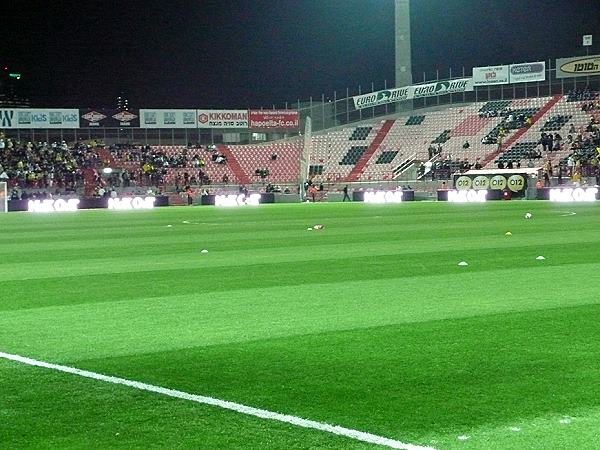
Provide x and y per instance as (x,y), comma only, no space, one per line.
(369,324)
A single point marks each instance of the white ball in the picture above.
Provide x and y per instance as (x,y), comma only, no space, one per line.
(528,215)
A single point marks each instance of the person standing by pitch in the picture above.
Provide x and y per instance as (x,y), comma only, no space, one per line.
(346,196)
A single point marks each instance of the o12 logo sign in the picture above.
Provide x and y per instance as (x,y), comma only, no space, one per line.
(573,195)
(50,206)
(237,200)
(470,196)
(383,197)
(129,203)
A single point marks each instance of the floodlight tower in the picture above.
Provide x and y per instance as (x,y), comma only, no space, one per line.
(403,55)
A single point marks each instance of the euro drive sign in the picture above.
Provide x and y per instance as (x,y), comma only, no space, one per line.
(285,119)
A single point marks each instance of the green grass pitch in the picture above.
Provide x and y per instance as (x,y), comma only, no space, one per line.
(369,324)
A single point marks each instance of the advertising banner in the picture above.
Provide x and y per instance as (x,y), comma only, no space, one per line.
(486,76)
(412,92)
(124,118)
(222,118)
(526,72)
(39,118)
(442,88)
(285,119)
(516,182)
(581,66)
(168,118)
(94,118)
(381,97)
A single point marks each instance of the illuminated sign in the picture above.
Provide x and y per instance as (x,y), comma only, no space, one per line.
(128,203)
(237,200)
(470,196)
(578,66)
(383,197)
(573,195)
(50,206)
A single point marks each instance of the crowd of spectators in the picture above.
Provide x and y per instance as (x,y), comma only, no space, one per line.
(42,165)
(511,121)
(581,95)
(154,162)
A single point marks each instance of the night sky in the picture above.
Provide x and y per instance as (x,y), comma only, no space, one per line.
(253,53)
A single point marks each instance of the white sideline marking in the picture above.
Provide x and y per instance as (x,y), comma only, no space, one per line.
(237,407)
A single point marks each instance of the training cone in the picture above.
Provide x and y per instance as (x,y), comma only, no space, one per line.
(540,258)
(508,233)
(204,251)
(463,263)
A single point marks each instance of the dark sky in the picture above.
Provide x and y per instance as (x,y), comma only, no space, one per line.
(252,53)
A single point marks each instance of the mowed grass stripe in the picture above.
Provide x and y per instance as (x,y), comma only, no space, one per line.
(106,224)
(315,250)
(71,332)
(138,283)
(449,376)
(396,237)
(45,409)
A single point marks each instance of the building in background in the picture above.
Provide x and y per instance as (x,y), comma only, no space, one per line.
(12,89)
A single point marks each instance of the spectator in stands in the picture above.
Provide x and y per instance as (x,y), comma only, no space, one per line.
(576,178)
(570,165)
(431,151)
(544,141)
(427,167)
(466,145)
(557,142)
(500,164)
(572,129)
(548,167)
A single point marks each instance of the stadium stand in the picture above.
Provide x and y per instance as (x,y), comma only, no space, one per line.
(557,131)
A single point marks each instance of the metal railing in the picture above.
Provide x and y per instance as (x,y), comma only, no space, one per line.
(326,111)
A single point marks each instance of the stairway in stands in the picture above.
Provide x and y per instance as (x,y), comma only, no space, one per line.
(234,165)
(359,168)
(521,131)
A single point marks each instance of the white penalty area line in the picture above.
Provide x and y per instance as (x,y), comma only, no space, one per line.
(237,407)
